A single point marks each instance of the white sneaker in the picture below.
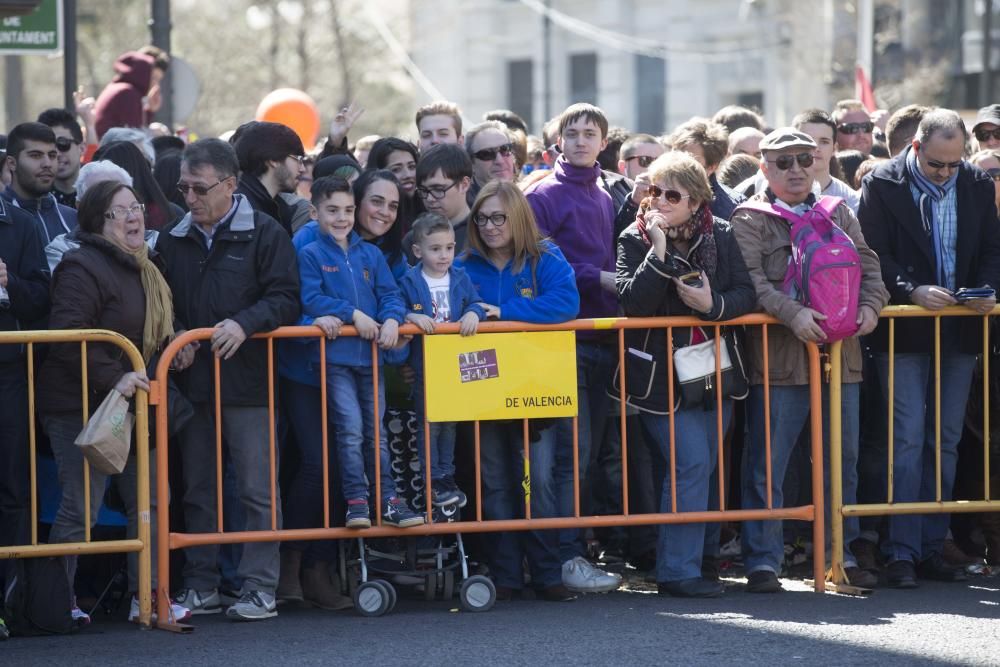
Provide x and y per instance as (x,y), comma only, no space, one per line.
(80,617)
(580,576)
(199,602)
(253,606)
(177,612)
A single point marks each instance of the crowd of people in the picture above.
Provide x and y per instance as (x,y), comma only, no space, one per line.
(110,222)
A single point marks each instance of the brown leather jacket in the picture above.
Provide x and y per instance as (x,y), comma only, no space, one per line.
(766,246)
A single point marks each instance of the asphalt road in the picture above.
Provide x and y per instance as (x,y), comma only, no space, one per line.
(935,624)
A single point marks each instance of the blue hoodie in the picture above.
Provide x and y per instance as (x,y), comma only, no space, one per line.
(336,282)
(574,211)
(53,218)
(309,232)
(557,299)
(462,296)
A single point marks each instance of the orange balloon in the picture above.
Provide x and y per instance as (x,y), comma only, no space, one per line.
(295,109)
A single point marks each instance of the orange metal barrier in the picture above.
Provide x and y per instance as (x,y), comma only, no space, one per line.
(168,540)
(141,544)
(937,506)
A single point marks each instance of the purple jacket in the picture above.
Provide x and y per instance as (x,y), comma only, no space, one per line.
(574,211)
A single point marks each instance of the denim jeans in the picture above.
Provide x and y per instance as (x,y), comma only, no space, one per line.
(245,429)
(443,437)
(595,365)
(351,400)
(304,493)
(915,537)
(69,524)
(501,446)
(763,542)
(680,546)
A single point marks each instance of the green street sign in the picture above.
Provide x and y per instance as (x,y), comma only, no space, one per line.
(39,32)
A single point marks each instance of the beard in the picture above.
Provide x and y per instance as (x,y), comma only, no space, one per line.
(287,181)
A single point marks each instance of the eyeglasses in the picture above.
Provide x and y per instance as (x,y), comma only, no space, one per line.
(198,190)
(785,162)
(301,159)
(856,128)
(644,160)
(490,154)
(122,213)
(498,219)
(671,196)
(994,174)
(435,191)
(65,143)
(984,135)
(934,164)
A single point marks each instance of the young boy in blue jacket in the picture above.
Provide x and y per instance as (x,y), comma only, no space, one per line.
(347,281)
(435,291)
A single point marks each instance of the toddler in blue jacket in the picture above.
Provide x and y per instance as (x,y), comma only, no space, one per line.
(347,281)
(435,291)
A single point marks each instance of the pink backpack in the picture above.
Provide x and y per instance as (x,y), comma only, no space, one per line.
(825,270)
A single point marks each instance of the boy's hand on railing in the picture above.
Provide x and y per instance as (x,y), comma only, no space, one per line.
(366,326)
(867,321)
(227,338)
(329,325)
(468,324)
(131,381)
(492,312)
(389,334)
(423,322)
(932,297)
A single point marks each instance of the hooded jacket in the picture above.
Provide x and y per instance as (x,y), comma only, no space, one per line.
(250,276)
(120,103)
(51,217)
(27,276)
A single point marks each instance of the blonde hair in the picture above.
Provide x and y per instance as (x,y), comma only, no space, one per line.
(680,168)
(524,235)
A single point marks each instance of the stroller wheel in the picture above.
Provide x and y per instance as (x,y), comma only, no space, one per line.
(390,591)
(371,599)
(477,593)
(448,590)
(430,586)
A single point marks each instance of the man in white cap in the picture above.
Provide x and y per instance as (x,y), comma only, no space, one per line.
(765,240)
(987,127)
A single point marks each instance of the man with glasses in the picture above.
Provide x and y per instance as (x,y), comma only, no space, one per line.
(491,147)
(987,127)
(33,160)
(272,160)
(820,126)
(444,176)
(930,216)
(764,238)
(69,143)
(854,127)
(233,269)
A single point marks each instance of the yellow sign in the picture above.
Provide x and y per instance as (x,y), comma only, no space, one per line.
(500,376)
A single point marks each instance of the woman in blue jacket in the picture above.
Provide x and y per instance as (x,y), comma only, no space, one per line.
(525,278)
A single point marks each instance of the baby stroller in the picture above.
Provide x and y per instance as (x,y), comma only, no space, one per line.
(435,564)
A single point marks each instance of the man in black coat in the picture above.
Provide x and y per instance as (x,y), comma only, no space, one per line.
(233,269)
(271,158)
(930,216)
(24,298)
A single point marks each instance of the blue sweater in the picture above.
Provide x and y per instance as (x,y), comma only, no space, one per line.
(335,282)
(557,299)
(462,297)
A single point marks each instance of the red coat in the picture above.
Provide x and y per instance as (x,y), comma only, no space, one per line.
(120,103)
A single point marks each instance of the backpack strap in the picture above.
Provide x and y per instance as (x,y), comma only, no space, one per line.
(827,204)
(769,209)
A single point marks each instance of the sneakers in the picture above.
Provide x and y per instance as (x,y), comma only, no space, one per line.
(177,612)
(396,513)
(580,576)
(763,581)
(253,606)
(901,574)
(80,617)
(442,495)
(199,602)
(358,515)
(462,500)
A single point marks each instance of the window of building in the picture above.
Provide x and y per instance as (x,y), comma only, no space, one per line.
(650,94)
(583,78)
(520,88)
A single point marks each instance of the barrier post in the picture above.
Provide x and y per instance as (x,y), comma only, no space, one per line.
(816,440)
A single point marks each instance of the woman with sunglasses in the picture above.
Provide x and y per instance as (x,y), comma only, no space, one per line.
(679,260)
(112,281)
(989,161)
(525,278)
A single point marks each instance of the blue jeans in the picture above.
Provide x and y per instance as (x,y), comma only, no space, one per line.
(763,541)
(595,364)
(914,537)
(442,440)
(351,401)
(680,546)
(501,446)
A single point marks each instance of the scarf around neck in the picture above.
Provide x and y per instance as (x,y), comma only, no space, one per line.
(930,195)
(159,322)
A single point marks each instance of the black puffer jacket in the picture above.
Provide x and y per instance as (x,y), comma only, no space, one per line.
(27,275)
(646,290)
(251,276)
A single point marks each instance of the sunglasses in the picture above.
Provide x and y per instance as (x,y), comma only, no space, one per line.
(434,192)
(670,196)
(490,154)
(644,160)
(65,143)
(498,219)
(984,135)
(785,162)
(199,190)
(856,128)
(934,164)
